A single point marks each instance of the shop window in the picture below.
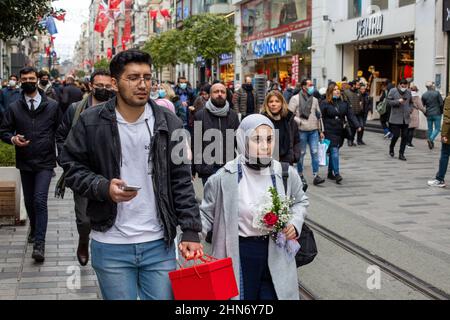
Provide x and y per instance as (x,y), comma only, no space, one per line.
(403,3)
(381,4)
(354,8)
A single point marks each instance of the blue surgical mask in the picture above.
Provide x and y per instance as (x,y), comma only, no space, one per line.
(162,93)
(183,85)
(335,97)
(311,90)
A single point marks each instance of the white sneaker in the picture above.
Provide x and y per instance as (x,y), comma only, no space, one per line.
(437,183)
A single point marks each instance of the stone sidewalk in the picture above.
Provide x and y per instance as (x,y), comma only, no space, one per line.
(60,277)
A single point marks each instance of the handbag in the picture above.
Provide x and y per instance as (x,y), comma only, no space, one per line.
(308,248)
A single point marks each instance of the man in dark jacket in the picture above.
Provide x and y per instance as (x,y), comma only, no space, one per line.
(120,156)
(222,123)
(353,97)
(101,85)
(246,100)
(46,86)
(400,100)
(187,98)
(70,94)
(9,95)
(433,102)
(30,124)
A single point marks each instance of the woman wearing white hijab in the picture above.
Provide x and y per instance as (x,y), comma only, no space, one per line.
(231,197)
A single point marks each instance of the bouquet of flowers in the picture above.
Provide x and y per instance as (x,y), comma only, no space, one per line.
(274,215)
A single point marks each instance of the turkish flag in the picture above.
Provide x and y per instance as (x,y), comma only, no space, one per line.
(114,4)
(165,13)
(109,53)
(102,20)
(153,14)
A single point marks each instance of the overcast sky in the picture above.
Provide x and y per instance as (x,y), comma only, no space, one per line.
(69,31)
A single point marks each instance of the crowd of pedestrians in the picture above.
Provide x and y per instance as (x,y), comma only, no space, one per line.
(113,137)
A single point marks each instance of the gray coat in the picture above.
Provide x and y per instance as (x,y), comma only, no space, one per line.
(433,102)
(400,112)
(220,213)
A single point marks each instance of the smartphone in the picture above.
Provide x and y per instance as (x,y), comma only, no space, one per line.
(131,188)
(22,138)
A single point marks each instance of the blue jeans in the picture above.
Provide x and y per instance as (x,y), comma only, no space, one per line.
(333,164)
(255,273)
(35,193)
(129,271)
(310,138)
(434,121)
(443,162)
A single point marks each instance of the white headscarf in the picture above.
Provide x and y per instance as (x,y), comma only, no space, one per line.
(245,130)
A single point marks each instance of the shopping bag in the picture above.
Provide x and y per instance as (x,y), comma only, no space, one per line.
(323,148)
(213,279)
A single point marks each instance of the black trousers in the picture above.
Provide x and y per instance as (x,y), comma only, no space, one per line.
(83,221)
(399,130)
(410,135)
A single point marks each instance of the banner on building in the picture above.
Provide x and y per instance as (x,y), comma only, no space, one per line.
(446,16)
(295,69)
(102,20)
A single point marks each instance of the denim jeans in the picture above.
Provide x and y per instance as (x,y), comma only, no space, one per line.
(434,121)
(443,162)
(129,271)
(35,193)
(333,164)
(310,138)
(255,273)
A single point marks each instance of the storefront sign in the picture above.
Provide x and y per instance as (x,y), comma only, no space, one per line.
(272,46)
(295,67)
(446,16)
(226,58)
(369,26)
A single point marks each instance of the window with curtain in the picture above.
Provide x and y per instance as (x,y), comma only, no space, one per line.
(354,8)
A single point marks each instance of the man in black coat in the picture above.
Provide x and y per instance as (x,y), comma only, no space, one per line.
(30,124)
(216,115)
(70,94)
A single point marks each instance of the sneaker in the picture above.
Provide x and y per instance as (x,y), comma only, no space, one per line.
(410,146)
(331,176)
(402,157)
(318,180)
(437,183)
(339,179)
(39,252)
(361,143)
(305,184)
(430,144)
(387,135)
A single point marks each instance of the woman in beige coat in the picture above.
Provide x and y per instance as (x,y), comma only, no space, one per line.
(415,116)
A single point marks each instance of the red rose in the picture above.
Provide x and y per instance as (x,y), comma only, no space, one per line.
(270,219)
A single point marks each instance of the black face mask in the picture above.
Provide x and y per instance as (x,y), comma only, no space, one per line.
(102,95)
(29,87)
(44,83)
(219,103)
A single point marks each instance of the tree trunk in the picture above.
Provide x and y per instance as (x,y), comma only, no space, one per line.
(218,68)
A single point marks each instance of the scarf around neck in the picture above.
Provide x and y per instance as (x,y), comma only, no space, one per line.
(218,112)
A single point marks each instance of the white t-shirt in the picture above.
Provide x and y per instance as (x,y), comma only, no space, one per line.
(137,220)
(252,188)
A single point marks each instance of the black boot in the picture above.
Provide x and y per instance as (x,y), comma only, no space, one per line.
(38,252)
(402,157)
(83,250)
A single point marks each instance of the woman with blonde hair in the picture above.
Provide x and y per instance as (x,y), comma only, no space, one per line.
(276,109)
(165,93)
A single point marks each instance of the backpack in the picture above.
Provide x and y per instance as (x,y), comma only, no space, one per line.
(382,106)
(308,247)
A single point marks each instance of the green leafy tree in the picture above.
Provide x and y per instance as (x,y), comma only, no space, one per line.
(20,18)
(169,48)
(80,74)
(54,73)
(210,35)
(102,64)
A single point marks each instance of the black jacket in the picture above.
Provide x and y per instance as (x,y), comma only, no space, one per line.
(39,127)
(334,116)
(69,95)
(293,156)
(91,158)
(210,121)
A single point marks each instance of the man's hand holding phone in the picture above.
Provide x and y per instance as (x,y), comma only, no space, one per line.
(120,192)
(20,141)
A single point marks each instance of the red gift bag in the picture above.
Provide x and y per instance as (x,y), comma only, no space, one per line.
(212,280)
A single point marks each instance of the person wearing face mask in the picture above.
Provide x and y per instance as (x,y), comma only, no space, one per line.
(45,85)
(335,111)
(30,124)
(187,98)
(165,92)
(70,94)
(276,109)
(216,115)
(308,117)
(101,91)
(353,97)
(230,205)
(400,100)
(154,94)
(9,95)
